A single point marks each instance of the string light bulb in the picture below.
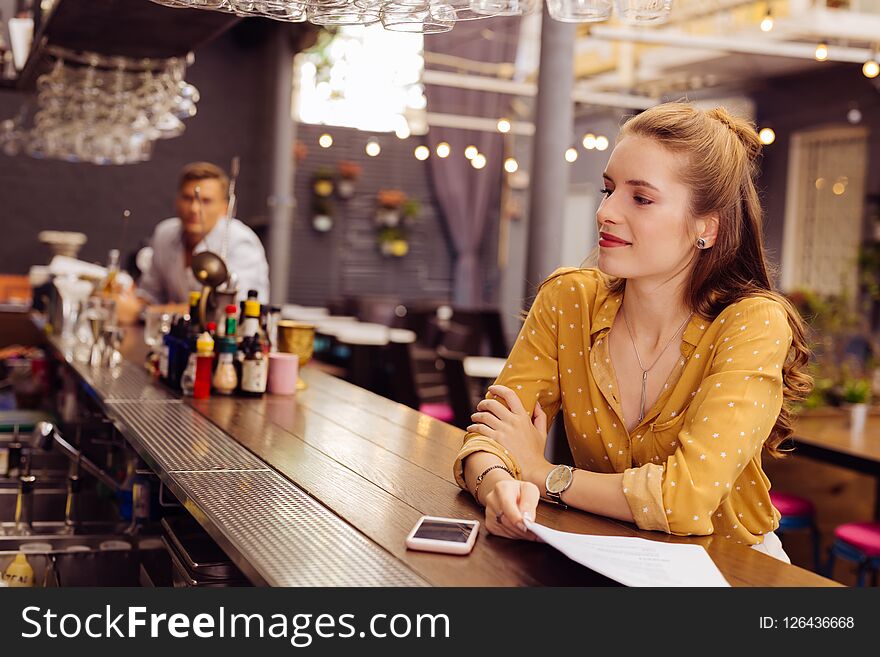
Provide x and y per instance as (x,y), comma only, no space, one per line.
(478,161)
(571,154)
(503,125)
(422,153)
(443,149)
(822,52)
(601,143)
(372,148)
(767,136)
(511,165)
(767,21)
(325,141)
(589,141)
(471,152)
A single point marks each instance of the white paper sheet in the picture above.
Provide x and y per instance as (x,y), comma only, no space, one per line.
(636,561)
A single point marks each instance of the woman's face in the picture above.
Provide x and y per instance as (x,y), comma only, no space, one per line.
(645,204)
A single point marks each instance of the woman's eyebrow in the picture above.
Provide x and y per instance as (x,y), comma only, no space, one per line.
(642,183)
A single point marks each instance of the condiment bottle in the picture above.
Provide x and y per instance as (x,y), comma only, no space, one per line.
(204,363)
(19,574)
(251,324)
(231,320)
(225,376)
(194,299)
(254,368)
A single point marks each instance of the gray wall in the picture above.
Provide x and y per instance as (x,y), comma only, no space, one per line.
(347,261)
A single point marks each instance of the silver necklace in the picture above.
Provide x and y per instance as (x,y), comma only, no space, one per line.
(642,367)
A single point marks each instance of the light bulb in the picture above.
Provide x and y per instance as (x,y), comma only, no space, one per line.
(571,154)
(372,148)
(589,141)
(422,153)
(503,125)
(767,136)
(325,141)
(511,165)
(443,149)
(478,161)
(601,143)
(767,22)
(471,152)
(822,52)
(871,69)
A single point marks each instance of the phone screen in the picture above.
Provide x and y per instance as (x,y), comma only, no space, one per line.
(440,530)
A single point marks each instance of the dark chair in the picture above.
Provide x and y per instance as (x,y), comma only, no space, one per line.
(458,385)
(404,387)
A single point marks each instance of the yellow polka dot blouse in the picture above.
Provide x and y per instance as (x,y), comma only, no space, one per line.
(693,465)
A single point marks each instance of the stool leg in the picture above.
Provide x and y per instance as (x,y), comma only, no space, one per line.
(829,565)
(862,572)
(817,540)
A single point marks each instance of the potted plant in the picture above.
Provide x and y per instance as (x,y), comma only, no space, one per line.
(389,202)
(322,214)
(349,172)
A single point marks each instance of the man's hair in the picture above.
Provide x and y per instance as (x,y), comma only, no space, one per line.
(204,171)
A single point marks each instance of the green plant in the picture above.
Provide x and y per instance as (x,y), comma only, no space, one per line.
(857,391)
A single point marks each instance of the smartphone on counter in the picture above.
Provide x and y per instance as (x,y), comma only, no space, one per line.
(447,535)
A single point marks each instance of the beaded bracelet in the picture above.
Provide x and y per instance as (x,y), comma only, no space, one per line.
(483,474)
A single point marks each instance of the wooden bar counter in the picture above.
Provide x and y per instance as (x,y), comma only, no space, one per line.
(322,488)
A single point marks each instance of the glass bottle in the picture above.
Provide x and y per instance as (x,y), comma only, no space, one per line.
(225,376)
(254,368)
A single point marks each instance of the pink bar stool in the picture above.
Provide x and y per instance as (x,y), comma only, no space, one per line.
(442,412)
(797,513)
(859,542)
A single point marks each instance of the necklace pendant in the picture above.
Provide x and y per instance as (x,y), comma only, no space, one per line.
(644,395)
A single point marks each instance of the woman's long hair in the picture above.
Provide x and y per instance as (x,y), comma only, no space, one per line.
(722,153)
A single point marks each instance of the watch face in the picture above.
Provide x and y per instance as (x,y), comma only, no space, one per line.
(559,479)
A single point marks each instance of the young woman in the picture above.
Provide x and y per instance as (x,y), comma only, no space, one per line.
(673,362)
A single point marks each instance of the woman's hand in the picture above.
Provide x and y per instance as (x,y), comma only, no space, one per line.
(524,436)
(508,504)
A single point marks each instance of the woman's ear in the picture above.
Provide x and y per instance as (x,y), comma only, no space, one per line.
(707,228)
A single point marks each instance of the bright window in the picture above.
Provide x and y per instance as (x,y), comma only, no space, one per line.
(363,77)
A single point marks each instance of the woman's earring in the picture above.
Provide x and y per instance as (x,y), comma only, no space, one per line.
(701,243)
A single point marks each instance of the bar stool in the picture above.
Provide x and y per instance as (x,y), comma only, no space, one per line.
(797,513)
(859,542)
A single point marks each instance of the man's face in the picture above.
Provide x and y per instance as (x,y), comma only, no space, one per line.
(213,207)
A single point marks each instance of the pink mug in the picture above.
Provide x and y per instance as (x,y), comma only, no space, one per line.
(283,373)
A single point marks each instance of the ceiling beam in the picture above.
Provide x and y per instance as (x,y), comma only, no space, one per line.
(738,44)
(496,85)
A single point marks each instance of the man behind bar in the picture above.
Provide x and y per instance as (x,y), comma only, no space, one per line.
(170,279)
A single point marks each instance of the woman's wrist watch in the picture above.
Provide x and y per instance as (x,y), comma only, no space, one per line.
(558,481)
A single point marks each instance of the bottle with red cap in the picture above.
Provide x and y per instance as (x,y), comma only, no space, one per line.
(231,320)
(204,366)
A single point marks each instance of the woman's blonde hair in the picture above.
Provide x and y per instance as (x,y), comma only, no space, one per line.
(720,169)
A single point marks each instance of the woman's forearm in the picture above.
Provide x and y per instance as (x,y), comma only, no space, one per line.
(594,492)
(477,463)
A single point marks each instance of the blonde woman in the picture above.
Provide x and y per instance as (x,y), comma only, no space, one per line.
(673,362)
